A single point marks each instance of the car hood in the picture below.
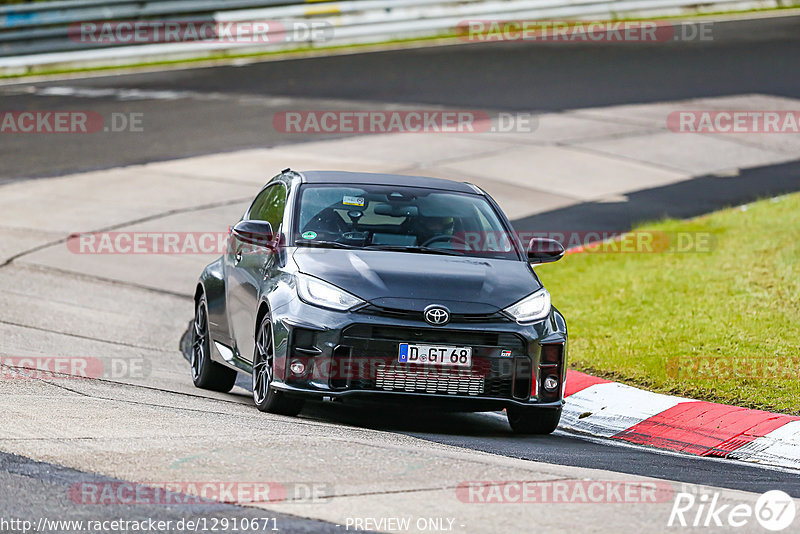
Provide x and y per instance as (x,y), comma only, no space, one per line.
(412,281)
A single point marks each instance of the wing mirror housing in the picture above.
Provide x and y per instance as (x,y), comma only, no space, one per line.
(544,250)
(257,233)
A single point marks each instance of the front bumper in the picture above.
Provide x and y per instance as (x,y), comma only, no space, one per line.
(354,355)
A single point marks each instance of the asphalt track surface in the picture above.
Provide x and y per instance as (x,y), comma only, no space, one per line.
(489,432)
(227,108)
(681,200)
(30,490)
(745,57)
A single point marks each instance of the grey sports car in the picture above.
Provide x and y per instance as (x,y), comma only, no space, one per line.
(384,288)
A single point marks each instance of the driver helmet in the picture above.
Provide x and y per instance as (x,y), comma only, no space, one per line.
(435,225)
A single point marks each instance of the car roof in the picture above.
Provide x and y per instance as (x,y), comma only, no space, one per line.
(343,177)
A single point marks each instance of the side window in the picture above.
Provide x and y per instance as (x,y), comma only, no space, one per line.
(269,205)
(492,237)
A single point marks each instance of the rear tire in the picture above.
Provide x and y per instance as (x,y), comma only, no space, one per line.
(533,420)
(266,398)
(206,373)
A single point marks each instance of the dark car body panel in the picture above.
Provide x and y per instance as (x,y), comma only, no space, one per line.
(397,287)
(463,284)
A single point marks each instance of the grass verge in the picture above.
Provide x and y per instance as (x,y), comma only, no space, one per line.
(720,325)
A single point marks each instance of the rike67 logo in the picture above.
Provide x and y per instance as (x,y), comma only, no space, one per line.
(774,510)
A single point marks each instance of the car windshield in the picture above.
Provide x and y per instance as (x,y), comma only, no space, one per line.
(404,219)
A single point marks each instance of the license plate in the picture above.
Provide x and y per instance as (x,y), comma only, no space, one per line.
(435,354)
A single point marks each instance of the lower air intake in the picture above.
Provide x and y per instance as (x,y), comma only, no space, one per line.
(430,380)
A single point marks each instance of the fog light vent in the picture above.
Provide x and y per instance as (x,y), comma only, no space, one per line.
(551,383)
(297,367)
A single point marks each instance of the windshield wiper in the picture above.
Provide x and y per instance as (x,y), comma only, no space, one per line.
(415,248)
(323,243)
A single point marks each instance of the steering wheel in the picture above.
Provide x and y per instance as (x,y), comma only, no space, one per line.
(444,237)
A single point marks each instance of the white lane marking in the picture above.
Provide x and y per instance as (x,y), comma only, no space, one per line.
(609,408)
(144,94)
(609,442)
(127,94)
(666,452)
(779,447)
(616,407)
(121,94)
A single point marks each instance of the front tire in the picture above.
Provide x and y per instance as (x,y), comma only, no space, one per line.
(206,373)
(266,398)
(533,420)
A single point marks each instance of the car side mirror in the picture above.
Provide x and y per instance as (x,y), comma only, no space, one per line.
(543,250)
(255,233)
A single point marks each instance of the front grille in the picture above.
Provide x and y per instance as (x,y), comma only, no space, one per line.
(490,375)
(444,336)
(432,380)
(418,315)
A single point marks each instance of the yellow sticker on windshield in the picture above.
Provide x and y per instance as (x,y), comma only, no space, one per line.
(353,201)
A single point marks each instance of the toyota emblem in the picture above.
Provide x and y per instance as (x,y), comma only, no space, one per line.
(437,315)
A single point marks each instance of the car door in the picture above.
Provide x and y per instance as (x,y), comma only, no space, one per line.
(247,265)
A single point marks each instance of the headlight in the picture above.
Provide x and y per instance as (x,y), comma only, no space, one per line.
(531,308)
(314,291)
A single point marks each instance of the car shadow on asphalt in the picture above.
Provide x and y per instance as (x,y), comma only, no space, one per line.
(413,420)
(406,419)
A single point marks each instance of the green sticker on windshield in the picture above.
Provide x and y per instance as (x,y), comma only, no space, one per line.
(309,235)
